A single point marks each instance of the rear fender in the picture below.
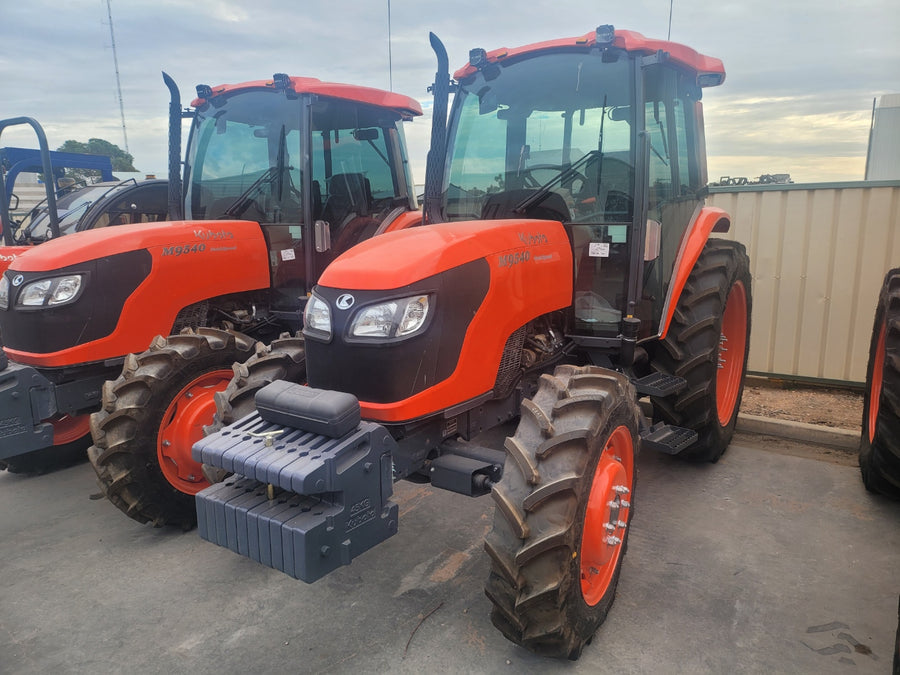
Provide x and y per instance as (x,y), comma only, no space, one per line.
(404,220)
(708,219)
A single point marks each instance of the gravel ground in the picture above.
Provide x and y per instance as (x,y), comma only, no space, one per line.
(830,407)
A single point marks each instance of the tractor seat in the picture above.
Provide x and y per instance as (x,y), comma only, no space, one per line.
(349,194)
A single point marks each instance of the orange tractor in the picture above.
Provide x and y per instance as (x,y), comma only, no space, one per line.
(565,271)
(280,176)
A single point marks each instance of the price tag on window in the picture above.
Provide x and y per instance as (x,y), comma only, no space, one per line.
(598,250)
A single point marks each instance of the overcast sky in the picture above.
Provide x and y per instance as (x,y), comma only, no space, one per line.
(801,75)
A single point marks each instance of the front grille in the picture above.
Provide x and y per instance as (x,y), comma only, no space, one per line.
(511,363)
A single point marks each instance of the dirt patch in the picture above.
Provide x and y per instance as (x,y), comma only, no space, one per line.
(829,407)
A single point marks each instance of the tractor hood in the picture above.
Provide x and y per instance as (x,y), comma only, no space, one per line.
(130,283)
(9,254)
(398,259)
(483,281)
(169,239)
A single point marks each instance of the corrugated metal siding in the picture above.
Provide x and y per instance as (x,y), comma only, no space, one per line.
(818,255)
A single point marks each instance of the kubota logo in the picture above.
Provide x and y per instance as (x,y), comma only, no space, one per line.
(18,279)
(345,301)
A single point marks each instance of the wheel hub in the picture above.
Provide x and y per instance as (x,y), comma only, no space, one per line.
(606,516)
(731,352)
(182,426)
(875,387)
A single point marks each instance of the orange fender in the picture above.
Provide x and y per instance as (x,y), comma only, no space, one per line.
(709,219)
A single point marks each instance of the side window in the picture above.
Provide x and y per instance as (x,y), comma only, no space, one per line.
(146,204)
(660,160)
(674,173)
(669,119)
(682,163)
(353,162)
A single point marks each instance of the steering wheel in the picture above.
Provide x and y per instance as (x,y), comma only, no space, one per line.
(574,177)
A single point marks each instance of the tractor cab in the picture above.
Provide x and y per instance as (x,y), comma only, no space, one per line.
(319,166)
(604,134)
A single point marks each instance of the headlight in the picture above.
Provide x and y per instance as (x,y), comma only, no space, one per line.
(317,318)
(397,318)
(50,292)
(4,292)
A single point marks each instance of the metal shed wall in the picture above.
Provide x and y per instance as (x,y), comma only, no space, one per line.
(818,255)
(883,156)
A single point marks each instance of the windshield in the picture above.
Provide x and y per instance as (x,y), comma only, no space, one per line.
(553,137)
(245,159)
(70,209)
(559,125)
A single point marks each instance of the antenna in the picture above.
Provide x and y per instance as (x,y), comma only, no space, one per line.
(112,36)
(390,65)
(669,36)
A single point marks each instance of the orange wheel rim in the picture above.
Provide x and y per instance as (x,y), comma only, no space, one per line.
(731,353)
(606,516)
(67,428)
(182,426)
(875,387)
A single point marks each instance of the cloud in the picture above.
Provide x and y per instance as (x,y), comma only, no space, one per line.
(797,98)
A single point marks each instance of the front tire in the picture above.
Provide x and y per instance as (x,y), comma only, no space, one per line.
(150,417)
(283,359)
(563,508)
(879,448)
(707,345)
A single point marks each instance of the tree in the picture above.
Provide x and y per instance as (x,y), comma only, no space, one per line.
(121,160)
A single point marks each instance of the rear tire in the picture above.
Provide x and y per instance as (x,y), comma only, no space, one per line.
(707,345)
(879,448)
(150,417)
(563,511)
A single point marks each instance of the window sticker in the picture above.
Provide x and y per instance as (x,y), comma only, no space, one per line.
(598,250)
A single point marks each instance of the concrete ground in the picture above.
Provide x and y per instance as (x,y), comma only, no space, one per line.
(774,560)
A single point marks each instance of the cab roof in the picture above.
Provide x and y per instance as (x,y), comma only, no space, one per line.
(403,105)
(709,70)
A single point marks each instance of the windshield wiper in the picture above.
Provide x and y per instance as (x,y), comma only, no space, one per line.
(544,190)
(269,176)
